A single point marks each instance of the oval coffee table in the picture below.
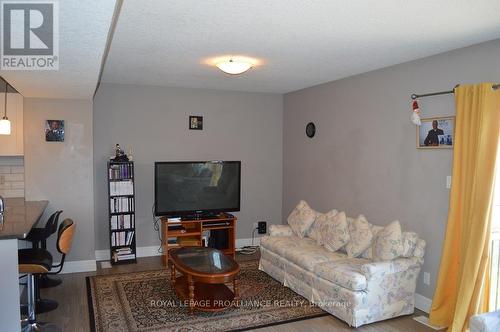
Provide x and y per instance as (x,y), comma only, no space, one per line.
(205,273)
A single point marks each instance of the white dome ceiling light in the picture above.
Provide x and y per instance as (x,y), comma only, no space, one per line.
(234,66)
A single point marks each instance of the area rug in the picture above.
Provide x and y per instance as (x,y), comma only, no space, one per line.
(145,301)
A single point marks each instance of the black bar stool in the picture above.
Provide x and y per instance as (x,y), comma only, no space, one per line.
(38,261)
(38,238)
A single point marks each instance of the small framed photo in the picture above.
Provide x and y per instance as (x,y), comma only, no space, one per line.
(54,131)
(195,122)
(436,133)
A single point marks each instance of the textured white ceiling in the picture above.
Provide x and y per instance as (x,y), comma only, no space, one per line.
(301,43)
(83,30)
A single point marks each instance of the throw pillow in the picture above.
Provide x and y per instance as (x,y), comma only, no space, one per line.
(388,244)
(334,231)
(361,236)
(368,253)
(315,230)
(301,218)
(409,243)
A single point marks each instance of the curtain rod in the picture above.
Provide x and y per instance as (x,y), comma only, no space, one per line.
(415,96)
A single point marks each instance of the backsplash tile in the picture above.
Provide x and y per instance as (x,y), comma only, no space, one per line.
(12,176)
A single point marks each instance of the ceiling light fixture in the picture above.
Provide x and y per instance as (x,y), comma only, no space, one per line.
(234,66)
(5,123)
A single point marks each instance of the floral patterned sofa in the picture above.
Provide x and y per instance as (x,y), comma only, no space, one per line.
(358,272)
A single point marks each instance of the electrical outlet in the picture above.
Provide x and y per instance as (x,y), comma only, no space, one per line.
(262,227)
(448,182)
(427,278)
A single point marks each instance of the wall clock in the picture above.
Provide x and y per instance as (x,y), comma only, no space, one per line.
(310,130)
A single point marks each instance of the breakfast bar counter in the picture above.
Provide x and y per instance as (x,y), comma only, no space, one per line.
(19,217)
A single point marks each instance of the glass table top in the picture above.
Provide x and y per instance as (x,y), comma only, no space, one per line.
(203,259)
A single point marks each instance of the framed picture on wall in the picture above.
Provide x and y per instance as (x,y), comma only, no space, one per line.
(436,133)
(54,131)
(195,122)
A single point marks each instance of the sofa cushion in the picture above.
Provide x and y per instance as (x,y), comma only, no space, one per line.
(409,240)
(314,231)
(388,244)
(360,236)
(346,273)
(280,230)
(280,244)
(334,231)
(301,218)
(307,256)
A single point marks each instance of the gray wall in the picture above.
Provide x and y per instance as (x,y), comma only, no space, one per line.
(363,158)
(62,172)
(153,121)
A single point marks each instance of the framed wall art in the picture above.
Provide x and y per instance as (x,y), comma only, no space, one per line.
(195,122)
(436,133)
(54,131)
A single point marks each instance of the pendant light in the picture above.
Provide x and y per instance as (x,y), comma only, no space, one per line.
(5,123)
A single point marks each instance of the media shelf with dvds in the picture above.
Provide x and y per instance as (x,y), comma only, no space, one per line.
(121,207)
(182,232)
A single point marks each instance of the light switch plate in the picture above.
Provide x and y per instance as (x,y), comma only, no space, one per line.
(427,278)
(448,182)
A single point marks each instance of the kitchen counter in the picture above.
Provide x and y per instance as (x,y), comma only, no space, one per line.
(20,216)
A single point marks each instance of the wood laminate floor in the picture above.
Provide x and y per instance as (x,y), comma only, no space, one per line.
(72,314)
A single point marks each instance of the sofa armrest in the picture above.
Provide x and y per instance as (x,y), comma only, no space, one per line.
(280,230)
(376,270)
(488,322)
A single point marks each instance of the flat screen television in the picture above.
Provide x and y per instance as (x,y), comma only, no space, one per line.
(197,187)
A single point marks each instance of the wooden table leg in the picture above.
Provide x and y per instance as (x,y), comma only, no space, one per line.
(236,291)
(191,294)
(172,275)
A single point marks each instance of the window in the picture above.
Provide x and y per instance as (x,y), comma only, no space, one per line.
(495,247)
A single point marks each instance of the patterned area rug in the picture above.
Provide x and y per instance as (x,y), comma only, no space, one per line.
(145,301)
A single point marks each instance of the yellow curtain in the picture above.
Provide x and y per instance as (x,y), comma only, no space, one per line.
(462,284)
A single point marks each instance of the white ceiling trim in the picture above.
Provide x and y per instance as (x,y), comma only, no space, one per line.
(83,28)
(299,43)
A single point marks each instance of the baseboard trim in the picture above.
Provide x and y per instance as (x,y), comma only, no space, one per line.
(425,321)
(148,251)
(79,266)
(240,243)
(103,255)
(423,303)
